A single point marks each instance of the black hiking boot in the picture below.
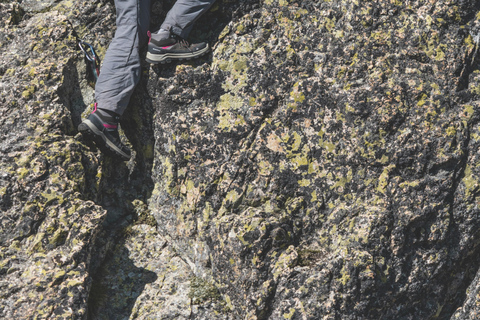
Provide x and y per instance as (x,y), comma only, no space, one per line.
(174,48)
(103,130)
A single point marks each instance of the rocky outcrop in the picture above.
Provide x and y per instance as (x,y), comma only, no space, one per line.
(320,163)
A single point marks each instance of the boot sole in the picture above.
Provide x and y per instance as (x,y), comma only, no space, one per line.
(168,57)
(88,129)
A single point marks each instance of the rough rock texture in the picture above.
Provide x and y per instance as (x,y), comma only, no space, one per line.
(321,163)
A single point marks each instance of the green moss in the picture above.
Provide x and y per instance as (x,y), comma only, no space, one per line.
(240,29)
(224,32)
(202,290)
(304,182)
(451,131)
(469,111)
(4,262)
(308,257)
(74,283)
(329,24)
(232,196)
(47,116)
(16,245)
(228,303)
(469,180)
(240,64)
(58,238)
(22,173)
(51,196)
(28,92)
(9,72)
(148,219)
(290,314)
(243,241)
(58,275)
(383,180)
(345,276)
(37,246)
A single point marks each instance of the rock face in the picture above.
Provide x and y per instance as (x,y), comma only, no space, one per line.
(321,163)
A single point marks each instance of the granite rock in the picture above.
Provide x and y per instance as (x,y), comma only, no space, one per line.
(319,163)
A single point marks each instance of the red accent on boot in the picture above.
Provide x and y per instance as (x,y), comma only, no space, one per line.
(110,126)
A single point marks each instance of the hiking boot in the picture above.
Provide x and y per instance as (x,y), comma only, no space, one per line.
(102,128)
(173,48)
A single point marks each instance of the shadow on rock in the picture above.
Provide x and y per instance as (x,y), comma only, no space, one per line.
(117,285)
(117,279)
(76,92)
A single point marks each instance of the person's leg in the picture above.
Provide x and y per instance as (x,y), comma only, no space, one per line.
(183,15)
(119,75)
(121,68)
(168,42)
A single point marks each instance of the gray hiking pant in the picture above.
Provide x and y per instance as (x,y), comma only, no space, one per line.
(121,67)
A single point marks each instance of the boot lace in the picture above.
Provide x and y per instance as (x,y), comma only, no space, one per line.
(183,43)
